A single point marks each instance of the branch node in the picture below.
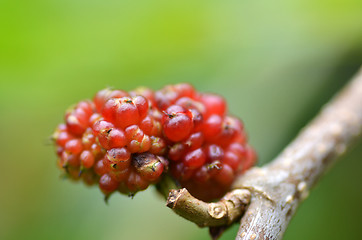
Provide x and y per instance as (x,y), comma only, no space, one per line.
(173,195)
(217,210)
(221,213)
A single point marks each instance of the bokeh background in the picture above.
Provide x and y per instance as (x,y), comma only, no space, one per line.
(276,62)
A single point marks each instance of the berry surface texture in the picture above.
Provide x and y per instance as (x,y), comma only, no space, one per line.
(126,141)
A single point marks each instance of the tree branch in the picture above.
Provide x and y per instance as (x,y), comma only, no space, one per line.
(278,188)
(221,213)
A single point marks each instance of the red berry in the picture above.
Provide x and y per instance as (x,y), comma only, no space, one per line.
(112,138)
(238,149)
(166,97)
(177,151)
(153,174)
(101,125)
(145,92)
(156,114)
(177,124)
(231,128)
(100,168)
(121,111)
(74,146)
(158,146)
(147,125)
(137,140)
(119,175)
(133,132)
(180,172)
(202,175)
(87,107)
(75,125)
(96,149)
(195,159)
(149,166)
(104,95)
(136,183)
(89,177)
(61,138)
(88,138)
(156,129)
(185,90)
(225,176)
(189,103)
(117,158)
(214,104)
(212,127)
(142,146)
(214,153)
(174,109)
(197,120)
(142,105)
(107,184)
(150,126)
(86,159)
(69,159)
(94,118)
(110,109)
(100,98)
(194,141)
(77,118)
(232,160)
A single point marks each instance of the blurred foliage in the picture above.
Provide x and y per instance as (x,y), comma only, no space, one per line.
(276,62)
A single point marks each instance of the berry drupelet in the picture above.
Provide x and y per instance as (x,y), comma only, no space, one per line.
(125,141)
(207,148)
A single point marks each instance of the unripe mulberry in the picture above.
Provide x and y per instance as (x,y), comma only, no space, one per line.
(125,141)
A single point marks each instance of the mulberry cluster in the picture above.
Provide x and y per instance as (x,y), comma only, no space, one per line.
(125,141)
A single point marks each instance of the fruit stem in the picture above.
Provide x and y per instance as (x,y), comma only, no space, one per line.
(221,213)
(166,185)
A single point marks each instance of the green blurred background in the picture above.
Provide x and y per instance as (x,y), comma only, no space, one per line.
(276,62)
